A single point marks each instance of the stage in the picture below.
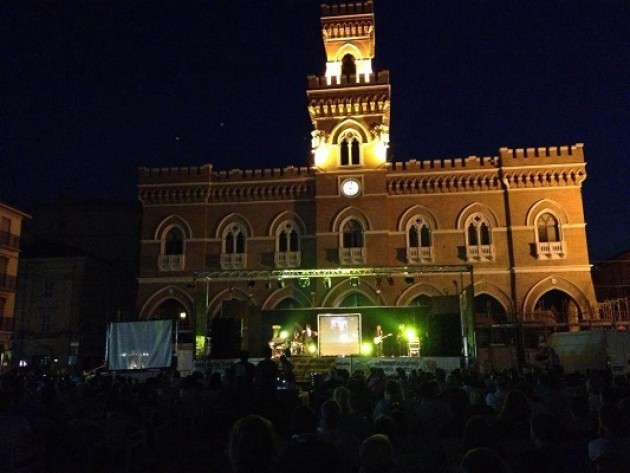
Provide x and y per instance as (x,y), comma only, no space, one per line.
(305,366)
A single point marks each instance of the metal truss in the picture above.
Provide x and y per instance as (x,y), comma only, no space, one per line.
(378,271)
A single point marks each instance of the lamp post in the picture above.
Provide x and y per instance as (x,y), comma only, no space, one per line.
(182,317)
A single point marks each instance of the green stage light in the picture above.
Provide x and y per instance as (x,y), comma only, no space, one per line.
(284,334)
(312,349)
(366,349)
(411,334)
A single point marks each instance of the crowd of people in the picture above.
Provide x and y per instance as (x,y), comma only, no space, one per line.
(244,420)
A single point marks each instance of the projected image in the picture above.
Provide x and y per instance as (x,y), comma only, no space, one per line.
(339,334)
(139,345)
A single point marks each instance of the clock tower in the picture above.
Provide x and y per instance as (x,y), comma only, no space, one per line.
(349,105)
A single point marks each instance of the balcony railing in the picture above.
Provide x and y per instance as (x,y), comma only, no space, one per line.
(551,249)
(8,282)
(288,259)
(171,262)
(351,256)
(233,260)
(9,239)
(480,253)
(423,254)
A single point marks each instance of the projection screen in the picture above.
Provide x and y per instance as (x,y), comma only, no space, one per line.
(139,345)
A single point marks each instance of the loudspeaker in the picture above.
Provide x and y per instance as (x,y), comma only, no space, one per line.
(226,337)
(444,336)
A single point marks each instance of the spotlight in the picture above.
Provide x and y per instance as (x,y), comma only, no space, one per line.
(267,284)
(280,283)
(312,349)
(390,281)
(304,282)
(379,280)
(284,334)
(354,282)
(410,334)
(366,349)
(409,280)
(327,283)
(251,283)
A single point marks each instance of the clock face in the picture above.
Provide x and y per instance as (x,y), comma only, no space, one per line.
(350,187)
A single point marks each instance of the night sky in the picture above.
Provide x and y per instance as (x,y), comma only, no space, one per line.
(90,91)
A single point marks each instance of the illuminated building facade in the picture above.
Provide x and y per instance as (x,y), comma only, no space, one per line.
(355,230)
(10,230)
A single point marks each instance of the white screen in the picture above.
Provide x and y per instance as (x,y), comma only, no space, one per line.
(139,345)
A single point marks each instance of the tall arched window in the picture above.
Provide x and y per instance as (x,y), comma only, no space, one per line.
(549,242)
(352,244)
(234,254)
(419,244)
(174,242)
(288,246)
(548,228)
(350,148)
(352,234)
(173,249)
(479,245)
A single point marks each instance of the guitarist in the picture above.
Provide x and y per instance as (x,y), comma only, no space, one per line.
(378,341)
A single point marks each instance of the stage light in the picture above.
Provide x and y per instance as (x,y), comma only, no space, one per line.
(267,284)
(410,334)
(327,283)
(280,283)
(284,334)
(379,280)
(312,348)
(366,349)
(409,280)
(304,282)
(354,282)
(251,283)
(390,281)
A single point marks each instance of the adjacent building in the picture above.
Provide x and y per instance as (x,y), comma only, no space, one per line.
(10,230)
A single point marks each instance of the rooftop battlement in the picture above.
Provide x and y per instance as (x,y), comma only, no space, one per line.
(349,8)
(321,82)
(542,155)
(236,175)
(469,163)
(205,173)
(174,174)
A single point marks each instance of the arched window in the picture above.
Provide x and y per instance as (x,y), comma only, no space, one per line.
(419,243)
(171,257)
(350,148)
(288,246)
(348,65)
(548,228)
(174,242)
(234,254)
(351,243)
(352,234)
(549,242)
(234,240)
(479,245)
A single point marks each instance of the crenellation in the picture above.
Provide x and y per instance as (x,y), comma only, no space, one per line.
(348,8)
(554,154)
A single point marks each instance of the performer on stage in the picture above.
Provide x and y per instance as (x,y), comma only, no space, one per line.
(308,338)
(401,341)
(378,341)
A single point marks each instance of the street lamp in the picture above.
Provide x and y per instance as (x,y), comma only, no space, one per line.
(182,317)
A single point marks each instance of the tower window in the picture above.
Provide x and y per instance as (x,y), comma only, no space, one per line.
(350,149)
(348,65)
